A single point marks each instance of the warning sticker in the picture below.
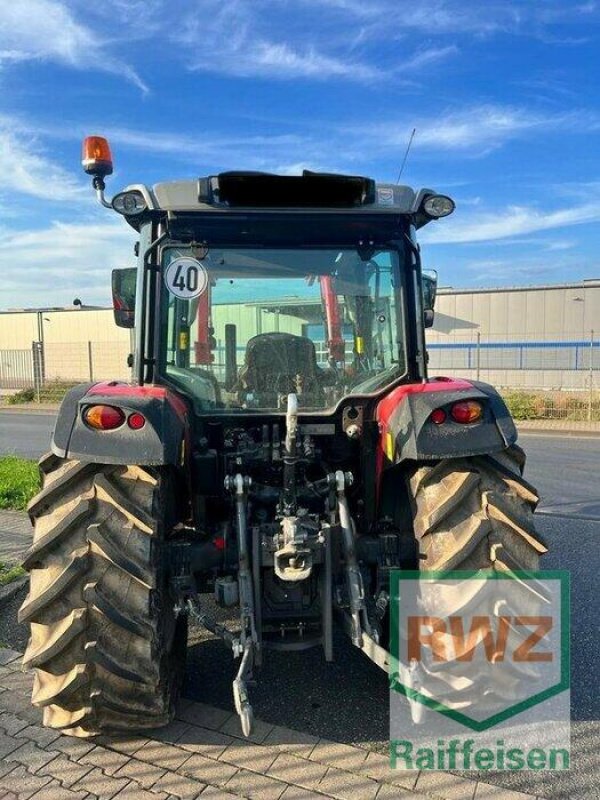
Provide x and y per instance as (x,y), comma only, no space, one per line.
(186,278)
(385,197)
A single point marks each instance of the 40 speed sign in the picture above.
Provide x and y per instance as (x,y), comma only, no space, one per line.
(186,278)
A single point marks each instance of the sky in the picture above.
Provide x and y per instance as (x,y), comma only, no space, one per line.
(504,96)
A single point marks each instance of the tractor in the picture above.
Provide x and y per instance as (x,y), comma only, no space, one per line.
(280,445)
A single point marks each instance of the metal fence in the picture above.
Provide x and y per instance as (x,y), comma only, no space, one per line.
(542,376)
(45,371)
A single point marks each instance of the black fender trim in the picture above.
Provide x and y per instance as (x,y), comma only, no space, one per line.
(164,439)
(415,437)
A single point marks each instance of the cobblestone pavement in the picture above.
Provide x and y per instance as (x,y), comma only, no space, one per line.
(201,754)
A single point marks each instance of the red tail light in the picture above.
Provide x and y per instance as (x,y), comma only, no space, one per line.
(103,418)
(466,411)
(136,421)
(438,416)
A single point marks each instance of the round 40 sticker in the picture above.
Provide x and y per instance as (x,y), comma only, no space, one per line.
(186,278)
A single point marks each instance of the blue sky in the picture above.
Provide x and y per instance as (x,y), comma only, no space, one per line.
(504,97)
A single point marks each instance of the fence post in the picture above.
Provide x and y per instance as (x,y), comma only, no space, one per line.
(591,399)
(90,361)
(37,355)
(478,354)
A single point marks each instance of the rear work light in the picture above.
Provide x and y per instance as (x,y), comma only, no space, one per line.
(129,203)
(466,411)
(438,205)
(103,418)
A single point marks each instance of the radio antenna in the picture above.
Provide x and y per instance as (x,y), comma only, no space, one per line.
(410,141)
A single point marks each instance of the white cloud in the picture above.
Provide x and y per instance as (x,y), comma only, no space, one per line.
(27,170)
(477,129)
(428,55)
(442,17)
(241,46)
(513,221)
(259,38)
(72,259)
(46,30)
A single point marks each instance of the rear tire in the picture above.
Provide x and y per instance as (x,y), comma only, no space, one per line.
(476,513)
(105,641)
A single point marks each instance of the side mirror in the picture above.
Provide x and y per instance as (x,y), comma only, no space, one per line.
(429,283)
(123,294)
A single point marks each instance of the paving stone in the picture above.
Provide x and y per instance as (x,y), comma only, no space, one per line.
(17,680)
(124,744)
(54,791)
(212,793)
(23,783)
(109,761)
(8,744)
(42,736)
(31,756)
(291,769)
(6,767)
(20,704)
(291,741)
(208,770)
(72,746)
(450,787)
(297,793)
(260,729)
(389,792)
(249,756)
(170,733)
(64,770)
(203,740)
(133,792)
(179,785)
(7,655)
(204,716)
(11,724)
(485,791)
(103,786)
(341,756)
(347,785)
(255,786)
(141,772)
(377,766)
(164,755)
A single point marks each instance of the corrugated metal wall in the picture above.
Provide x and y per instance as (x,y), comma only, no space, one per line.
(534,337)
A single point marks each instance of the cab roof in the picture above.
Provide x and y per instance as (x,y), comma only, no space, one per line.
(259,192)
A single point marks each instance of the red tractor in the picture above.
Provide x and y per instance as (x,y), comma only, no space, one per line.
(281,444)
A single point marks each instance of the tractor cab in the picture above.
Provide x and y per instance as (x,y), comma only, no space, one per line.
(265,285)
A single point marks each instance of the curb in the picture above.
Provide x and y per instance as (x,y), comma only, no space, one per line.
(572,432)
(49,410)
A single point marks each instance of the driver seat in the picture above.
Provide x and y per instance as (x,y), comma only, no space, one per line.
(277,364)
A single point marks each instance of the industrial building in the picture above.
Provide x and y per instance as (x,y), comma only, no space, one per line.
(543,337)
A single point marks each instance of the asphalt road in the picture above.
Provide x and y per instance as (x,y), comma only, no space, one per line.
(26,435)
(344,700)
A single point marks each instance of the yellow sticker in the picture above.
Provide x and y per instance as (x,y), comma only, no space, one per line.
(360,345)
(184,340)
(389,446)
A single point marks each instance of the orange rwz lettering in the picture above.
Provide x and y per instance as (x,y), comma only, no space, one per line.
(524,651)
(426,631)
(480,630)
